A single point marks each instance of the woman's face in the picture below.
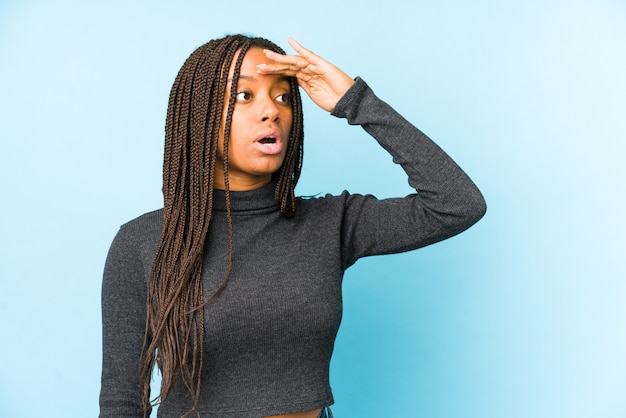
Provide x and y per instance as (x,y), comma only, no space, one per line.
(261,124)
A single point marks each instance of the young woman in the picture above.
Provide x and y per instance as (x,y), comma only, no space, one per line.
(233,289)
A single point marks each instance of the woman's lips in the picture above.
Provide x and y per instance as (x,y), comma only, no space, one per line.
(270,142)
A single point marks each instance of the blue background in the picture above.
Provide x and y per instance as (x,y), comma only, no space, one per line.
(521,316)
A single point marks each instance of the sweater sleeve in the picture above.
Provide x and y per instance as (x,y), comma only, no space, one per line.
(123,325)
(446,201)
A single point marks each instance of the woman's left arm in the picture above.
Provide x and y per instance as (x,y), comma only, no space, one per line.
(447,201)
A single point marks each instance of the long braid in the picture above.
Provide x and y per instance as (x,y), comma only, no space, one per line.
(289,173)
(227,125)
(174,337)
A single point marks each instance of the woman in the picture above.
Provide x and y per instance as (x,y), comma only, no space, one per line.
(234,288)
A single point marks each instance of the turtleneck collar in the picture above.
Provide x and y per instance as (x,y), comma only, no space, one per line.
(257,199)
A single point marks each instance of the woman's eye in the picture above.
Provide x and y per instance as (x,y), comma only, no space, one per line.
(284,98)
(243,96)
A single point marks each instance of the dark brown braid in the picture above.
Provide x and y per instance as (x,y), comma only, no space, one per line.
(174,337)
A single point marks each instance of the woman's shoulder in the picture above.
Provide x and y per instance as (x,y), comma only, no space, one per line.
(332,203)
(148,219)
(146,227)
(330,199)
(325,200)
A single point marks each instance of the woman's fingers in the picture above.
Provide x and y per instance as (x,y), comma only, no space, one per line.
(307,54)
(306,62)
(286,61)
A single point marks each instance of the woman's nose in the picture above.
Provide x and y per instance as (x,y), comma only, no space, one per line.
(269,110)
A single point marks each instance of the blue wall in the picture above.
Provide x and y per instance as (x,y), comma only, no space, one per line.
(521,316)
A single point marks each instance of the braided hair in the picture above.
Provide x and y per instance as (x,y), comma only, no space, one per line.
(174,336)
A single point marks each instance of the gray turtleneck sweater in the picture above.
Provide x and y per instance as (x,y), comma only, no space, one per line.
(270,333)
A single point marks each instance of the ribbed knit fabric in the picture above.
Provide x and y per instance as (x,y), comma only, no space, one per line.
(270,333)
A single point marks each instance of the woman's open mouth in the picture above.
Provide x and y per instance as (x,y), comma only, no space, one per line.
(271,144)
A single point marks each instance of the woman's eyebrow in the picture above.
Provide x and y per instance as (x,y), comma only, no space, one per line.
(247,77)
